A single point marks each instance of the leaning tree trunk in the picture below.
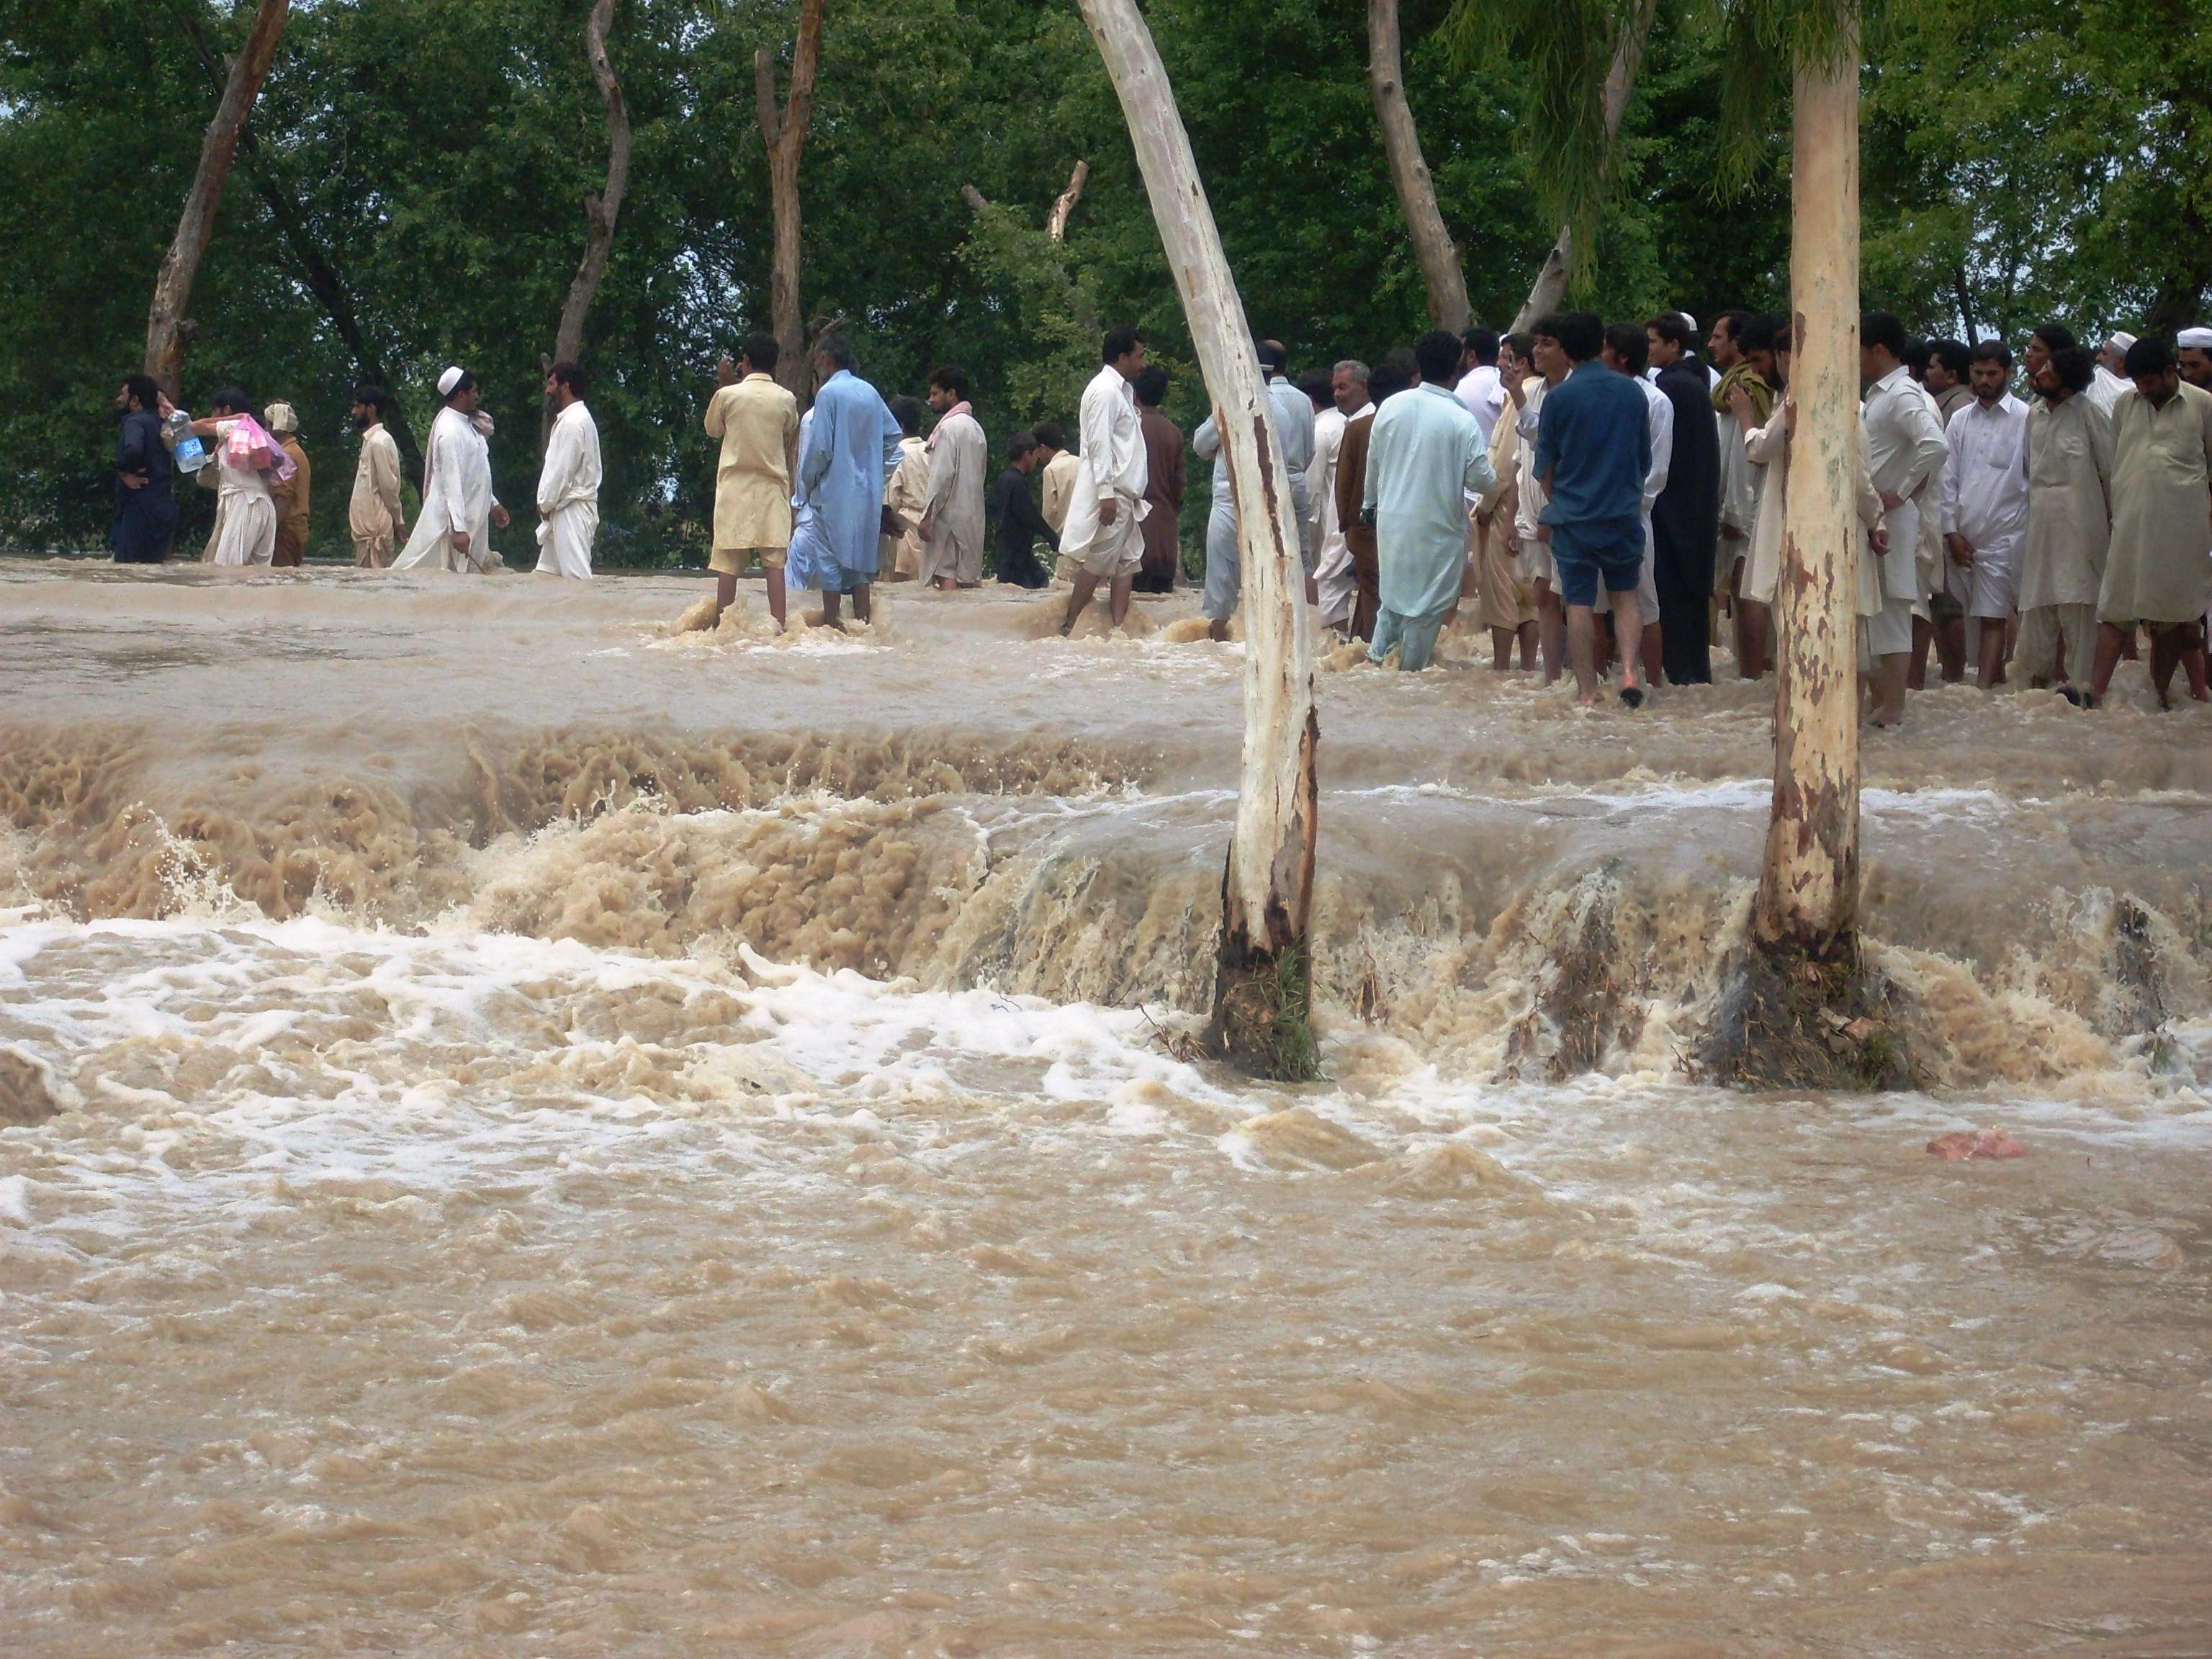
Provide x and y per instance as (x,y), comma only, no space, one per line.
(1550,288)
(600,209)
(1264,975)
(784,134)
(1809,890)
(1409,174)
(166,330)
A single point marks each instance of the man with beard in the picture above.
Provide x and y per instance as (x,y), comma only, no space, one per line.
(374,517)
(2067,463)
(145,500)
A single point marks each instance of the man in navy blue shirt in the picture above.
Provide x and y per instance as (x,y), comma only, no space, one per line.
(1593,452)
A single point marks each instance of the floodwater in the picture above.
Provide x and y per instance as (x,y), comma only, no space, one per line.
(535,1136)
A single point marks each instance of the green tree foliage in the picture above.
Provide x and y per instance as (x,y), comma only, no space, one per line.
(433,153)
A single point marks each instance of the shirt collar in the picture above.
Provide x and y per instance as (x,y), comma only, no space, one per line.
(1888,382)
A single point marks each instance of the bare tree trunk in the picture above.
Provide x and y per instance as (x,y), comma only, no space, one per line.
(784,134)
(313,265)
(1264,975)
(1808,891)
(1055,228)
(1550,288)
(1409,174)
(166,331)
(601,210)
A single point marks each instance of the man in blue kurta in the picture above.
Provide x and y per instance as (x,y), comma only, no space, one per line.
(1427,453)
(1593,452)
(851,445)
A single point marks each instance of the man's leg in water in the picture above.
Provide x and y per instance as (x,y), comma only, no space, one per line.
(861,610)
(1086,585)
(1117,600)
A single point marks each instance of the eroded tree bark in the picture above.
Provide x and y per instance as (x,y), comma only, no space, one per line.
(1264,975)
(1055,228)
(601,208)
(1550,288)
(1433,249)
(783,132)
(166,330)
(1808,887)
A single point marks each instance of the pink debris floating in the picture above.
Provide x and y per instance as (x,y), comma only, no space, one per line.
(1962,1145)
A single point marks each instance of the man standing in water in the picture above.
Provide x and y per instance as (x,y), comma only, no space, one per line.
(1105,536)
(1425,455)
(1018,524)
(460,511)
(374,516)
(569,481)
(2157,574)
(1593,455)
(1164,484)
(952,524)
(145,500)
(2067,466)
(1904,451)
(1686,517)
(757,422)
(1984,502)
(294,498)
(852,447)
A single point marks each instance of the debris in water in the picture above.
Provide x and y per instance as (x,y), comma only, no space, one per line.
(1962,1145)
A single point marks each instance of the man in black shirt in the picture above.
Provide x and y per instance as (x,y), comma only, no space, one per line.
(145,507)
(1019,521)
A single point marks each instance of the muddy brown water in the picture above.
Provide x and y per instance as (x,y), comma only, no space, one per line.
(521,1134)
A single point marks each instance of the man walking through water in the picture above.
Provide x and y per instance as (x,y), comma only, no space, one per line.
(460,511)
(1593,452)
(853,445)
(1105,536)
(757,422)
(375,516)
(952,524)
(145,503)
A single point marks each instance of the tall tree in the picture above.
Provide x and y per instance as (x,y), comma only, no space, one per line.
(1409,174)
(601,208)
(783,132)
(167,334)
(1263,979)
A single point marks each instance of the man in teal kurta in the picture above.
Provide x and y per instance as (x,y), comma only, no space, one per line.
(1426,456)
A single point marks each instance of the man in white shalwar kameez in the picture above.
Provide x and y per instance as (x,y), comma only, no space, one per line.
(245,513)
(1904,453)
(1107,508)
(2107,384)
(460,511)
(1983,497)
(568,483)
(1338,582)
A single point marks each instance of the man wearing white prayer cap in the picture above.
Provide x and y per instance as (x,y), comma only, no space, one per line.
(2193,350)
(2110,378)
(460,511)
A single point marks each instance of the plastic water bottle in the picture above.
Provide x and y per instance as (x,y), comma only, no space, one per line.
(186,447)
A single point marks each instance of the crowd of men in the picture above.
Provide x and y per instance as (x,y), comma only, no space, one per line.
(1591,495)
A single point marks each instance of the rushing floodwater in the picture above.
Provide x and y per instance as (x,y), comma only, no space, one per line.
(538,1137)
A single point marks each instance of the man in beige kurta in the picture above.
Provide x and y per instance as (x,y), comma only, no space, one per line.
(1509,600)
(2068,457)
(905,496)
(2156,574)
(374,517)
(757,422)
(952,524)
(1056,485)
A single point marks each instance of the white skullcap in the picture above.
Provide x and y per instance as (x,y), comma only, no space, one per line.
(2121,342)
(281,417)
(2197,339)
(1688,318)
(448,380)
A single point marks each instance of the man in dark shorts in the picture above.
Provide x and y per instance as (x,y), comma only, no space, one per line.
(1593,452)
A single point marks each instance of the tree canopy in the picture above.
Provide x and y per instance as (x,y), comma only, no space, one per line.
(420,165)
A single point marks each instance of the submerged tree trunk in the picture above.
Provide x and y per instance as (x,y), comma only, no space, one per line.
(1264,975)
(1550,288)
(1409,174)
(784,134)
(1809,890)
(600,209)
(166,330)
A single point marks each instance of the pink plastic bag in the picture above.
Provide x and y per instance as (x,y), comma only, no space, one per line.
(246,446)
